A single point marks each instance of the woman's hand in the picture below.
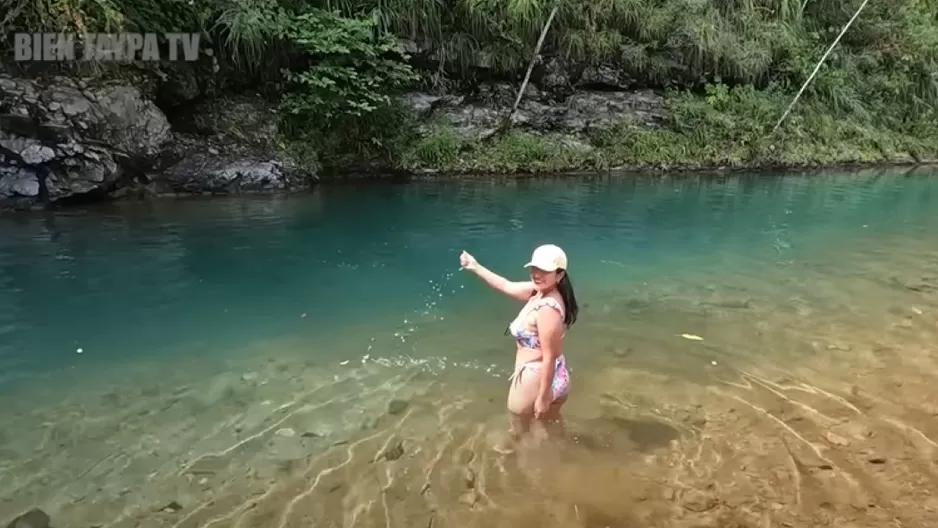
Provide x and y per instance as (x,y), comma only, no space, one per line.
(541,406)
(467,261)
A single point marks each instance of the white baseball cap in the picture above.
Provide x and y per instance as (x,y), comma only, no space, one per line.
(548,258)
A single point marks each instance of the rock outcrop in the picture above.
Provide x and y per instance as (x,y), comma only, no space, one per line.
(63,139)
(580,115)
(229,145)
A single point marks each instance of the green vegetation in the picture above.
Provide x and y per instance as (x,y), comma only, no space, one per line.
(729,68)
(724,128)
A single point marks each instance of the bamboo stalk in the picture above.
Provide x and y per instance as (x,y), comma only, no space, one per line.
(527,76)
(820,62)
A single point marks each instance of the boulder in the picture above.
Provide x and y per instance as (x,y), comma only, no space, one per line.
(230,146)
(62,138)
(215,173)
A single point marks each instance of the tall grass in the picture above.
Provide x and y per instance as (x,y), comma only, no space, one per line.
(893,47)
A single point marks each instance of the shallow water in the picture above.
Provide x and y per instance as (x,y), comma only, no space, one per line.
(238,357)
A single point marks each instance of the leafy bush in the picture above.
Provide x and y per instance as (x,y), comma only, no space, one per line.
(350,69)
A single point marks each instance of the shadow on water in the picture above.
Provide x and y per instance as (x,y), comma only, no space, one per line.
(617,433)
(646,434)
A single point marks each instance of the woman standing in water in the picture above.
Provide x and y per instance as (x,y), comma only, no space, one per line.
(540,383)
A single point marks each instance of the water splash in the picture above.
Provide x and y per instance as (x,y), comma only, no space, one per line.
(402,337)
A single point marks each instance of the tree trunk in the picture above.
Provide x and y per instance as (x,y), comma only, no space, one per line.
(506,122)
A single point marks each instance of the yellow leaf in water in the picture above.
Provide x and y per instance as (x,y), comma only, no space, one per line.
(692,337)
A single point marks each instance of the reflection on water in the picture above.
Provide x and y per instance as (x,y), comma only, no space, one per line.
(274,362)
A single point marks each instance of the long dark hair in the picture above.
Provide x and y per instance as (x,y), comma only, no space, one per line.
(571,309)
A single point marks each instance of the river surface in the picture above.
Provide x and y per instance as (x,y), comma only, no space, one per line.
(757,350)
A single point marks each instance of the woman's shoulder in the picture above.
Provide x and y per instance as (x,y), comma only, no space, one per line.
(552,302)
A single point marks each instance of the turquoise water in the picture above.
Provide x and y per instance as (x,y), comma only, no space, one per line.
(138,280)
(182,290)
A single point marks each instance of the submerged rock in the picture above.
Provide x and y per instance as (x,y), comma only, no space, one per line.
(34,518)
(393,452)
(397,406)
(469,478)
(469,498)
(836,439)
(171,507)
(286,432)
(699,501)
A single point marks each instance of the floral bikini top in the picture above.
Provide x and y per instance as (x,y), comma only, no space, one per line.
(524,336)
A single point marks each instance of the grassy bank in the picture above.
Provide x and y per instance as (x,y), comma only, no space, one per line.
(726,128)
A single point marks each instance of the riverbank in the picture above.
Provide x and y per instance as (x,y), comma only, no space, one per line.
(69,141)
(728,128)
(282,95)
(552,160)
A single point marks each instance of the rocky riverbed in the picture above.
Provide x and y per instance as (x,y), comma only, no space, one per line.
(844,436)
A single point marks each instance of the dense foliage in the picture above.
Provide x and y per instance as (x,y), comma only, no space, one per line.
(730,68)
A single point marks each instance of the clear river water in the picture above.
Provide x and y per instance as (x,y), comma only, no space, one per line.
(758,350)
